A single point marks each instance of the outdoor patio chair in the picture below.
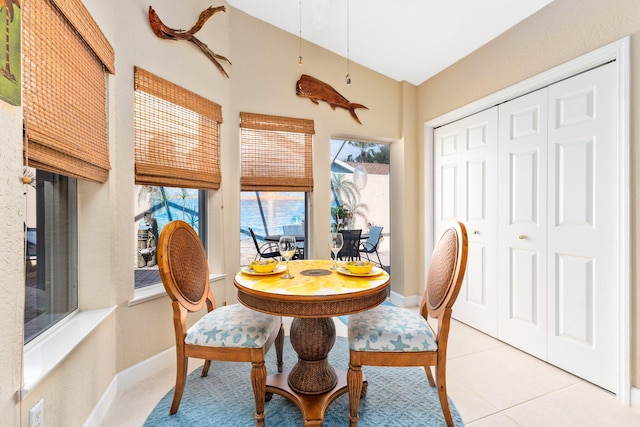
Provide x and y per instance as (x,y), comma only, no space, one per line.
(370,246)
(266,250)
(297,231)
(230,333)
(350,247)
(404,337)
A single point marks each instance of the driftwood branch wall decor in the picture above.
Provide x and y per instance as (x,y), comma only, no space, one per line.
(316,90)
(164,32)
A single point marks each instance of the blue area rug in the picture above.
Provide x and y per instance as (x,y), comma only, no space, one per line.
(396,397)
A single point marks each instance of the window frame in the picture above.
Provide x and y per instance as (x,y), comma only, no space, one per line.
(51,274)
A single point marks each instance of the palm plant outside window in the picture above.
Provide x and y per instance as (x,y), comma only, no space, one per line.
(360,188)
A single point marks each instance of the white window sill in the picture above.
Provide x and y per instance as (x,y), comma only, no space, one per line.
(152,292)
(43,356)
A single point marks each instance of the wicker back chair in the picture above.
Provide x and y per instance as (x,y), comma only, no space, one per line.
(417,344)
(228,333)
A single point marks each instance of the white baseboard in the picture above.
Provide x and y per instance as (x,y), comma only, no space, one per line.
(127,378)
(100,411)
(635,397)
(402,301)
(146,369)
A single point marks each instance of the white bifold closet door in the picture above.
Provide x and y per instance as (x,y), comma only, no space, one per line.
(583,226)
(535,181)
(465,189)
(522,223)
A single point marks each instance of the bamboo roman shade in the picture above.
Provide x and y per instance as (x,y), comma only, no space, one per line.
(177,135)
(276,153)
(65,56)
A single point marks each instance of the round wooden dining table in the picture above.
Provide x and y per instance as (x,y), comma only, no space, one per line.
(312,298)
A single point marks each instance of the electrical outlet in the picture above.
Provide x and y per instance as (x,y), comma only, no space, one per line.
(36,415)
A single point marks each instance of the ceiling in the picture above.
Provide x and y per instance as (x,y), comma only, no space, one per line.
(406,40)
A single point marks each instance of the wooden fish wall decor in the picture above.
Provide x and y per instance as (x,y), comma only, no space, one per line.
(164,32)
(316,90)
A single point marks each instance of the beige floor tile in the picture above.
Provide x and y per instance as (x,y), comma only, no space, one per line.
(505,376)
(495,420)
(470,405)
(582,404)
(465,340)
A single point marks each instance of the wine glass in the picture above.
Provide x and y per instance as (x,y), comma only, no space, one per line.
(287,247)
(335,244)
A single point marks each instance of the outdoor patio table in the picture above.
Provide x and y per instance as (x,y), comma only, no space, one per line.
(312,298)
(276,237)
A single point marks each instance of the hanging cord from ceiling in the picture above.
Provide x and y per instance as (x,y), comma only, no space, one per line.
(348,76)
(300,32)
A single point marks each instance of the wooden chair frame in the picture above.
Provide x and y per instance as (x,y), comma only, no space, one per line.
(444,281)
(185,274)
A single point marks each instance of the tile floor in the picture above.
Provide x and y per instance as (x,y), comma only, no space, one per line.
(491,384)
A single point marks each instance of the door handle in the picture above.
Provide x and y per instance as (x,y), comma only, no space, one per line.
(522,237)
(476,232)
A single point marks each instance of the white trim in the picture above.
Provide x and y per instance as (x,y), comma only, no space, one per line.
(635,398)
(618,51)
(624,221)
(128,378)
(152,292)
(147,293)
(43,357)
(404,301)
(146,369)
(101,410)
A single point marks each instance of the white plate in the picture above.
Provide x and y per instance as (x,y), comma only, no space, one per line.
(250,271)
(374,272)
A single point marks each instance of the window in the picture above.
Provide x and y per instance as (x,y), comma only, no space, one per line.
(51,264)
(65,61)
(360,189)
(156,206)
(177,135)
(65,90)
(276,177)
(267,214)
(276,153)
(177,158)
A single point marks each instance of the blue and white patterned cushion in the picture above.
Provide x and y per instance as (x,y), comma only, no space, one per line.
(394,329)
(232,326)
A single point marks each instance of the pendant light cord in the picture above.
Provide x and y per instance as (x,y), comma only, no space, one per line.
(300,32)
(348,77)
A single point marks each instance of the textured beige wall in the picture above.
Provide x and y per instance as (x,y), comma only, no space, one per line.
(264,74)
(558,33)
(11,261)
(262,80)
(146,329)
(263,77)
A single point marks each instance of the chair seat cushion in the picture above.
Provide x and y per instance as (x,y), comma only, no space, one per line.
(232,326)
(393,329)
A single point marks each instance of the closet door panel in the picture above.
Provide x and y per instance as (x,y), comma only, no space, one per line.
(522,222)
(583,232)
(465,189)
(575,183)
(449,191)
